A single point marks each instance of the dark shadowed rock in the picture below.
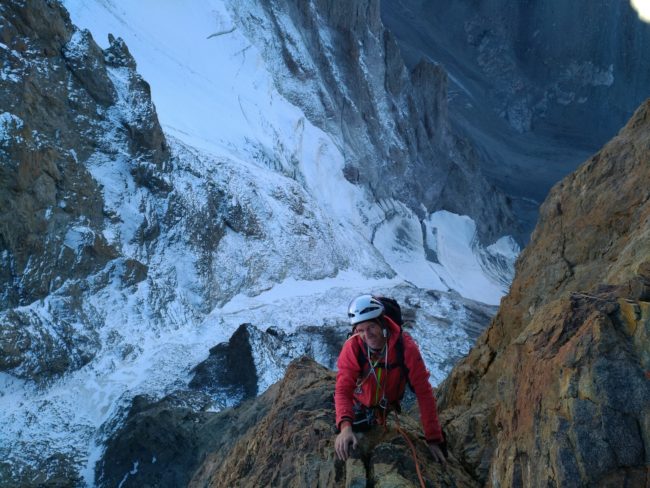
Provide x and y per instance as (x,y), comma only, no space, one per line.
(162,443)
(542,66)
(85,60)
(536,86)
(229,373)
(430,95)
(233,370)
(117,55)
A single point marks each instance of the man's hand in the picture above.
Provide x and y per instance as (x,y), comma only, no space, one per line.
(436,453)
(343,441)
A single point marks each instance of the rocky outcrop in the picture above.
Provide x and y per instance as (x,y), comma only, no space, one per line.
(338,63)
(254,359)
(64,101)
(229,372)
(555,392)
(61,105)
(283,438)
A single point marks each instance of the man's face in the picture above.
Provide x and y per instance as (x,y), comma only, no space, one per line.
(372,333)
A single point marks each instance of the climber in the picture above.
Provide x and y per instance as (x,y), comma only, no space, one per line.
(373,369)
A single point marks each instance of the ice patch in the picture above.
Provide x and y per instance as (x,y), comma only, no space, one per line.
(442,253)
(78,236)
(9,125)
(506,246)
(133,471)
(76,46)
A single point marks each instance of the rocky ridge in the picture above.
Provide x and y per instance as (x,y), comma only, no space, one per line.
(300,421)
(61,99)
(285,437)
(555,392)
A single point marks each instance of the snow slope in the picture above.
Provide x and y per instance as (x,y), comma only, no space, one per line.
(213,91)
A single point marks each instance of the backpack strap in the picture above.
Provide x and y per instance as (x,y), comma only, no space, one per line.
(400,358)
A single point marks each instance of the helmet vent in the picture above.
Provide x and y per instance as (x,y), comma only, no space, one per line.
(369,309)
(364,307)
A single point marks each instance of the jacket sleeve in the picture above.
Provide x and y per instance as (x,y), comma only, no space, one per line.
(419,379)
(346,381)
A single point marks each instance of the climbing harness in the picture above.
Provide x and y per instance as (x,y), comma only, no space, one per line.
(375,414)
(377,375)
(383,403)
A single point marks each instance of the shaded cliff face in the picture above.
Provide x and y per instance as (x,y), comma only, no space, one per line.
(556,391)
(536,86)
(546,67)
(57,100)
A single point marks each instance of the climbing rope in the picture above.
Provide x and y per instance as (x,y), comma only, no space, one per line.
(415,456)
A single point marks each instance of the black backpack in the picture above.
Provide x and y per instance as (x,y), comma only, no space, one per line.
(392,309)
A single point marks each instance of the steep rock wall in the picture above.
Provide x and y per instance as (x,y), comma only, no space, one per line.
(559,379)
(536,86)
(59,107)
(545,66)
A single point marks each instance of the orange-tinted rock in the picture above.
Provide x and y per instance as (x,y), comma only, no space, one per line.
(293,446)
(555,392)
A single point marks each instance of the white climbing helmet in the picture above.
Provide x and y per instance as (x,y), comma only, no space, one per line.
(364,307)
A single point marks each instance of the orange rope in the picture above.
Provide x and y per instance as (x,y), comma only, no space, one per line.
(415,456)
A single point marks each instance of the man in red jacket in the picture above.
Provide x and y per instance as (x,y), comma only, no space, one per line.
(373,369)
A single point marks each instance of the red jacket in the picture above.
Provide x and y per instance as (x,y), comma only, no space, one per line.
(349,370)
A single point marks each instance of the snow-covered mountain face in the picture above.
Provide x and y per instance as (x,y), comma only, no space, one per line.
(134,238)
(536,86)
(337,62)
